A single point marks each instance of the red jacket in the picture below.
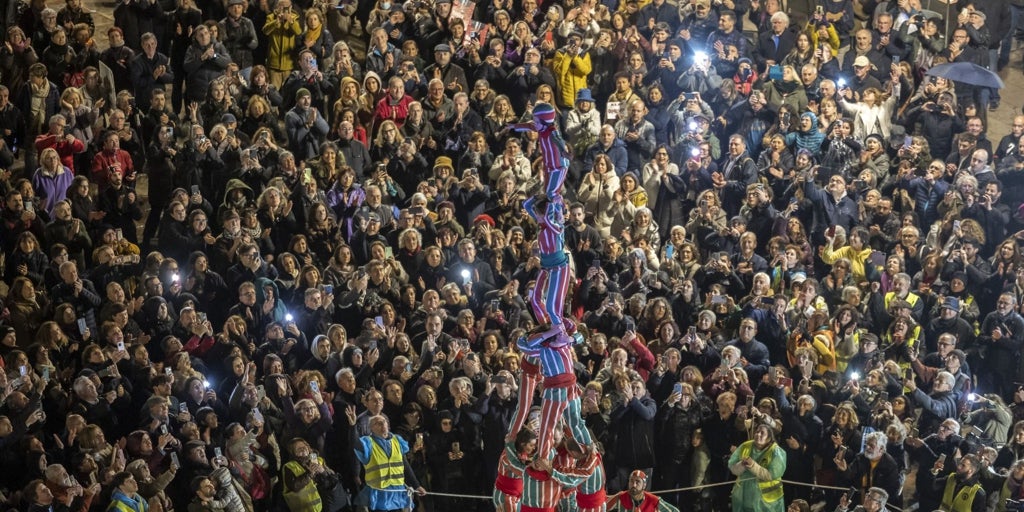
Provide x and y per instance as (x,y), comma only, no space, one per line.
(66,150)
(645,360)
(389,109)
(120,160)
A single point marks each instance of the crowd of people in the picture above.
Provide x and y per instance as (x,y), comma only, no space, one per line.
(794,257)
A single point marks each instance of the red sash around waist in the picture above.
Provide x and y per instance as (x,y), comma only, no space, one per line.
(562,380)
(509,485)
(591,500)
(529,368)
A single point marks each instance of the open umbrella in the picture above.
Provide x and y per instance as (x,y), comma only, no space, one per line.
(967,73)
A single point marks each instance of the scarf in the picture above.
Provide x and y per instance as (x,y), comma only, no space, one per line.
(786,86)
(39,96)
(255,232)
(313,35)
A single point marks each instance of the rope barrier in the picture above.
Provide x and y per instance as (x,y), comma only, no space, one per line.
(817,486)
(663,491)
(695,487)
(448,495)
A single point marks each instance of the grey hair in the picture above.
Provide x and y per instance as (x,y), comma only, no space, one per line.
(80,382)
(946,377)
(781,16)
(882,494)
(878,437)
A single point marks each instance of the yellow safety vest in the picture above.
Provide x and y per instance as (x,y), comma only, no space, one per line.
(305,499)
(383,471)
(911,299)
(843,358)
(771,491)
(962,501)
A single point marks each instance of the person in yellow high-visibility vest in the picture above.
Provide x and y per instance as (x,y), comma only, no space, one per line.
(759,464)
(961,491)
(382,455)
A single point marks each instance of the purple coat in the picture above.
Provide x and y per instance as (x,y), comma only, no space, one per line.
(51,189)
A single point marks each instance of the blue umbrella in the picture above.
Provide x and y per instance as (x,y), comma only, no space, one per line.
(967,73)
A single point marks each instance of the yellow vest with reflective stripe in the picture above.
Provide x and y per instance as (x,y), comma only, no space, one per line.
(911,298)
(962,501)
(305,499)
(771,490)
(382,471)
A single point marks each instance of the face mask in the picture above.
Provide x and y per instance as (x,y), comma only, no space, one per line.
(385,5)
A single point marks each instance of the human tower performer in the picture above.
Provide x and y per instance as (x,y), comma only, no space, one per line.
(547,349)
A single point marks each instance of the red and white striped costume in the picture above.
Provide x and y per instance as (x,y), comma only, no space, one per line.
(508,486)
(542,490)
(590,495)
